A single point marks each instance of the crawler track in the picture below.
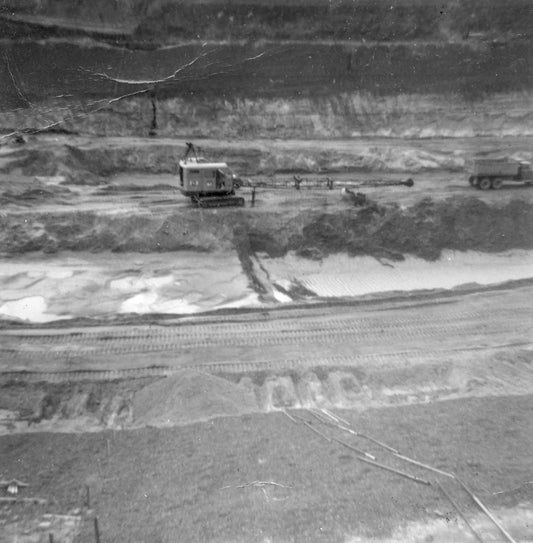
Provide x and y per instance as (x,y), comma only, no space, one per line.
(333,336)
(280,365)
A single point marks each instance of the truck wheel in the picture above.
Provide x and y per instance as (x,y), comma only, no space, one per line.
(484,184)
(496,184)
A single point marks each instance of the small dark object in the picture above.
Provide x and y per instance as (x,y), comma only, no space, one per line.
(297,182)
(51,538)
(377,183)
(87,496)
(96,530)
(253,196)
(217,201)
(358,199)
(39,501)
(329,183)
(153,100)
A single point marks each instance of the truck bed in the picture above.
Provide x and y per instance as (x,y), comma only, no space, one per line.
(493,167)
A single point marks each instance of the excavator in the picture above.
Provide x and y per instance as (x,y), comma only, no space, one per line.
(208,184)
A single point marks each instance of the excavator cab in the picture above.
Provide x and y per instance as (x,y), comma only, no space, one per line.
(208,184)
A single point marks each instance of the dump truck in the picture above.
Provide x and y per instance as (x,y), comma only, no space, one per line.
(208,184)
(493,173)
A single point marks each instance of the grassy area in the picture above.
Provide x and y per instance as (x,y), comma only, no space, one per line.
(183,483)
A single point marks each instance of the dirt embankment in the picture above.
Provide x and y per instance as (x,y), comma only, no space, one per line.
(340,19)
(188,396)
(138,22)
(254,68)
(340,115)
(90,163)
(423,229)
(290,90)
(382,90)
(87,405)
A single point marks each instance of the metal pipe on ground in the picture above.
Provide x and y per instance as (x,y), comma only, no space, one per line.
(394,470)
(361,457)
(96,530)
(480,504)
(460,512)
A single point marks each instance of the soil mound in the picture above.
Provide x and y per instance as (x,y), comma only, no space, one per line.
(59,161)
(384,230)
(188,397)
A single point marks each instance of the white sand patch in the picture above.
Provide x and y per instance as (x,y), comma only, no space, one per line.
(133,283)
(447,527)
(86,285)
(140,303)
(60,274)
(342,275)
(31,308)
(280,296)
(251,300)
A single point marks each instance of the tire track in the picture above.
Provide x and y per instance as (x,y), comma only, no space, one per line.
(268,337)
(323,338)
(282,365)
(222,331)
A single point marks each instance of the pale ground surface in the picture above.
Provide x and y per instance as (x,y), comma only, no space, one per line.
(341,275)
(44,288)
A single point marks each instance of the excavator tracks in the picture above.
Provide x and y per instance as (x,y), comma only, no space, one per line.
(157,339)
(276,366)
(276,340)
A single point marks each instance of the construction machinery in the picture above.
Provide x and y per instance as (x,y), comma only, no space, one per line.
(375,183)
(492,173)
(208,184)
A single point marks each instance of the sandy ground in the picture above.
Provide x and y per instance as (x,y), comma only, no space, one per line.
(127,369)
(341,275)
(43,288)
